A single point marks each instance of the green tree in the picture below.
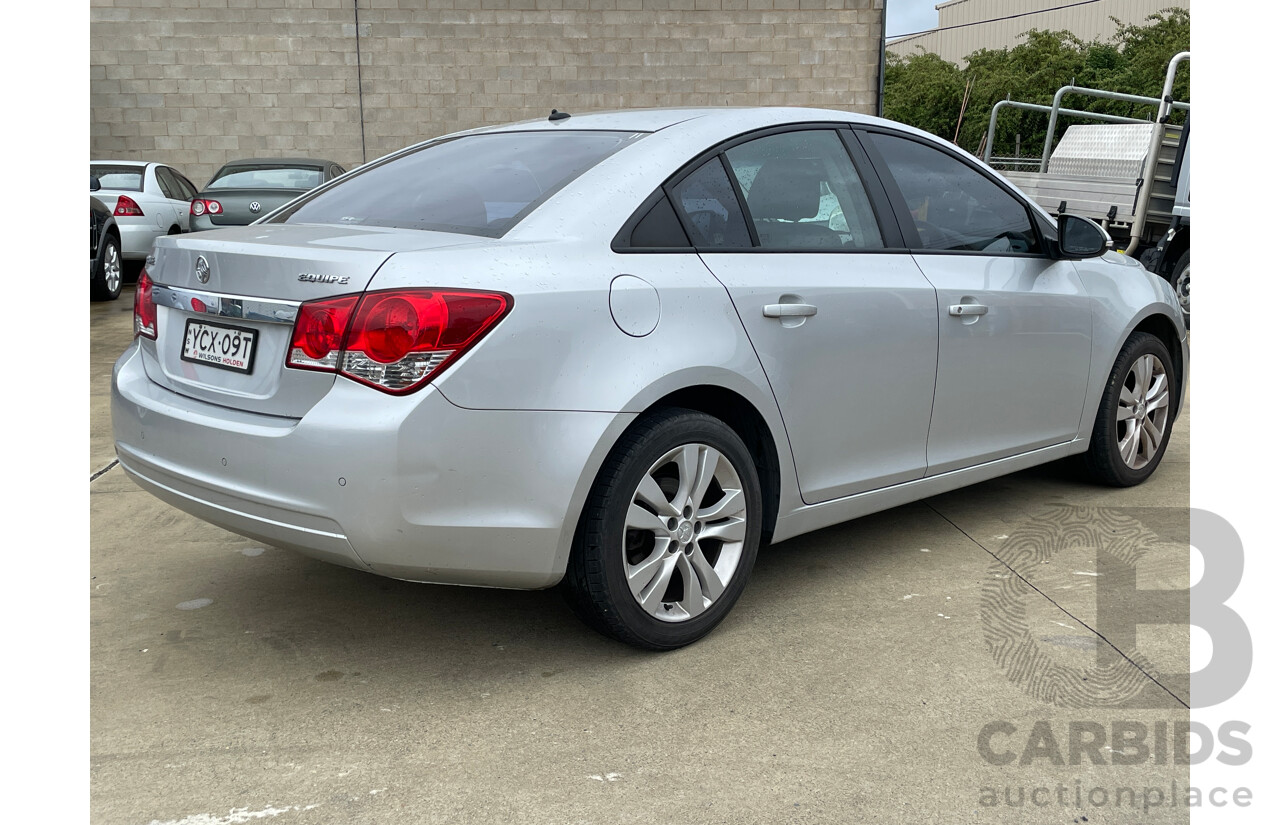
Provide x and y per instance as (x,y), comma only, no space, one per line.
(926,91)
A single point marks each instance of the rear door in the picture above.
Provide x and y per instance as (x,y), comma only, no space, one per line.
(843,321)
(1014,324)
(177,207)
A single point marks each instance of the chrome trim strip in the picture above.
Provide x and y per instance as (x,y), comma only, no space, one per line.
(227,306)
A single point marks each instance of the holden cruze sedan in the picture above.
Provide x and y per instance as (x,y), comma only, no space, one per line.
(619,352)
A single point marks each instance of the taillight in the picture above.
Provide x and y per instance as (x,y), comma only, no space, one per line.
(144,308)
(318,333)
(127,207)
(201,205)
(395,340)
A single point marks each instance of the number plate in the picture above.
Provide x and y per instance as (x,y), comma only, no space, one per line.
(219,345)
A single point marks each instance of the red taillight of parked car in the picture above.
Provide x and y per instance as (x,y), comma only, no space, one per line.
(144,308)
(199,206)
(127,207)
(394,340)
(318,333)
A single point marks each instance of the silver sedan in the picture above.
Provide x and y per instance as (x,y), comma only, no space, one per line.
(621,352)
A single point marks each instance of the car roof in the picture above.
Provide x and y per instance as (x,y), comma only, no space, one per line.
(654,120)
(296,161)
(128,162)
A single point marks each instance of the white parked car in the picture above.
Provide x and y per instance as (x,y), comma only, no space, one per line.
(147,200)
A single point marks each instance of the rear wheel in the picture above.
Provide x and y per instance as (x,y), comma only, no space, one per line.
(109,273)
(669,533)
(1131,431)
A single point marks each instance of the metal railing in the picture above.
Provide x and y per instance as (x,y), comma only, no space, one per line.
(1163,105)
(1167,104)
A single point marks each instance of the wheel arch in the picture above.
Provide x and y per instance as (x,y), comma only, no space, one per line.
(746,421)
(763,440)
(1163,327)
(1157,320)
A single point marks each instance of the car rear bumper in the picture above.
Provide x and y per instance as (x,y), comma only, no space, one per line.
(136,240)
(413,488)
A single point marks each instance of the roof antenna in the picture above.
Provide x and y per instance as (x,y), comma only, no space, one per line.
(555,115)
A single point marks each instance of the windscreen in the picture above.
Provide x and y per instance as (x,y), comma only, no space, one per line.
(118,177)
(267,177)
(475,184)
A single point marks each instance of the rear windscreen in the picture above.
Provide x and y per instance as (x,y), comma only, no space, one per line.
(118,177)
(267,177)
(476,184)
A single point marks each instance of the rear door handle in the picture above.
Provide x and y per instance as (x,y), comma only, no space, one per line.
(967,310)
(789,310)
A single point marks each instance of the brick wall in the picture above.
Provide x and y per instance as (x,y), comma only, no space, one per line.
(195,83)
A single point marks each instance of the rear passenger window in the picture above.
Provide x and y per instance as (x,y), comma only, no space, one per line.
(803,192)
(954,206)
(710,209)
(659,229)
(168,185)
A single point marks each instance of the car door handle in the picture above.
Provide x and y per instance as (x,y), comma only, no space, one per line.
(789,310)
(967,310)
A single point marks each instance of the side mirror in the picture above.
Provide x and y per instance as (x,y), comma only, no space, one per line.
(1081,238)
(94,184)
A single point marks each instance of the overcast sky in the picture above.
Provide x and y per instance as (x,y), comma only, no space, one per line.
(907,16)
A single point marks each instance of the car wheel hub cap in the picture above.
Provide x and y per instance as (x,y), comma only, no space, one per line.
(1142,416)
(684,533)
(111,269)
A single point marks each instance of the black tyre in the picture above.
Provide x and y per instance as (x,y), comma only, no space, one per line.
(669,533)
(108,274)
(1181,281)
(1135,416)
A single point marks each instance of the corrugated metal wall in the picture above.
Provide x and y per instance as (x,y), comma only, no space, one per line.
(1091,22)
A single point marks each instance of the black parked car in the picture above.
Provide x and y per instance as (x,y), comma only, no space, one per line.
(106,268)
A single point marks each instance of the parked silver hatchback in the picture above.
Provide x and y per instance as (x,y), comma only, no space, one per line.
(619,352)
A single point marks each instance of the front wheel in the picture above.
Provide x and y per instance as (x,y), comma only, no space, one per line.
(669,533)
(1135,417)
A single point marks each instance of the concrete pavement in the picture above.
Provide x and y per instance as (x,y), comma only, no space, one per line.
(853,682)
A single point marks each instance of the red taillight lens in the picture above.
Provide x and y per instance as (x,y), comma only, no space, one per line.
(395,340)
(144,308)
(127,207)
(197,207)
(318,333)
(214,207)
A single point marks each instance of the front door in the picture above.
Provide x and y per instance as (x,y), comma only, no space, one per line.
(1014,325)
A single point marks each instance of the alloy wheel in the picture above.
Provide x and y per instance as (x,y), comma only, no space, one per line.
(1142,416)
(111,268)
(684,532)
